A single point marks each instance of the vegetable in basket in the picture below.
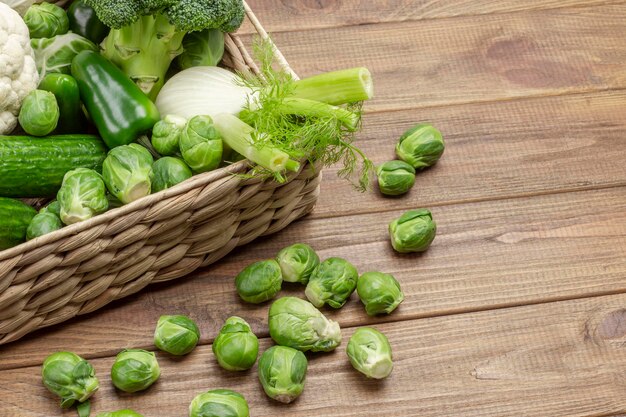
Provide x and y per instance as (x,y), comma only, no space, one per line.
(298,324)
(70,377)
(421,146)
(332,283)
(84,22)
(219,403)
(414,231)
(370,353)
(236,347)
(379,292)
(168,172)
(120,413)
(166,134)
(259,282)
(55,55)
(154,30)
(42,224)
(297,262)
(282,373)
(177,335)
(134,370)
(127,172)
(15,216)
(53,207)
(395,177)
(82,196)
(202,48)
(39,114)
(201,144)
(65,90)
(46,20)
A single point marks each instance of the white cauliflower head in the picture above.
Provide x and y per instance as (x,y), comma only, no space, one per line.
(18,72)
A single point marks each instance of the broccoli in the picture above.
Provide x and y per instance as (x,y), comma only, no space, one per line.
(146,35)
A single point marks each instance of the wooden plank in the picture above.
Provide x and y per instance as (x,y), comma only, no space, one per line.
(486,255)
(472,59)
(558,359)
(297,15)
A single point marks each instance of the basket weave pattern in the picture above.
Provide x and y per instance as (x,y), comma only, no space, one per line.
(165,236)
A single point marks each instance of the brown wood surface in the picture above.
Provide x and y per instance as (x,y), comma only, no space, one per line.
(518,307)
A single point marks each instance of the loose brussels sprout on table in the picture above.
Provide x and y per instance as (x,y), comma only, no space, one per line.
(259,282)
(395,177)
(40,113)
(135,370)
(282,372)
(127,172)
(380,293)
(414,231)
(201,145)
(177,335)
(370,353)
(421,146)
(168,172)
(46,20)
(120,413)
(42,224)
(297,262)
(332,283)
(298,324)
(82,196)
(219,403)
(70,377)
(166,134)
(236,347)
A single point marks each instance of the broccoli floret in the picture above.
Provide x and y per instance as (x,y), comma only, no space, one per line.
(195,15)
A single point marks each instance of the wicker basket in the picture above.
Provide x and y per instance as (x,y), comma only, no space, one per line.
(164,236)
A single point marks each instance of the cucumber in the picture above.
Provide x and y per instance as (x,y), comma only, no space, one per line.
(15,217)
(34,167)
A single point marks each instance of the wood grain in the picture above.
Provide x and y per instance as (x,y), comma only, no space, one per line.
(558,359)
(486,255)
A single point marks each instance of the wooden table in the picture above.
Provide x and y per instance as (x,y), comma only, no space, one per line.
(518,308)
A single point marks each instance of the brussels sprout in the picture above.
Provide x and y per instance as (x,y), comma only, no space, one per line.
(297,262)
(203,48)
(46,20)
(70,377)
(168,172)
(219,403)
(177,335)
(42,224)
(395,177)
(55,55)
(236,347)
(127,172)
(82,196)
(54,207)
(166,134)
(332,283)
(259,282)
(379,292)
(40,113)
(120,413)
(414,231)
(201,145)
(282,371)
(421,146)
(370,353)
(134,370)
(298,324)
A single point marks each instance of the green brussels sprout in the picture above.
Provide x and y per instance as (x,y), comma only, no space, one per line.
(395,177)
(219,403)
(120,413)
(259,282)
(201,145)
(55,55)
(421,146)
(282,372)
(298,324)
(414,231)
(70,377)
(54,207)
(135,370)
(370,353)
(177,335)
(82,196)
(40,113)
(42,224)
(168,172)
(332,283)
(297,262)
(46,20)
(203,48)
(380,293)
(127,172)
(236,347)
(166,134)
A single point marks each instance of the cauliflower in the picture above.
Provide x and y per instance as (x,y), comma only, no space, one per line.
(18,72)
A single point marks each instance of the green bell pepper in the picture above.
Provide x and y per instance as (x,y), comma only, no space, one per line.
(65,89)
(118,108)
(84,22)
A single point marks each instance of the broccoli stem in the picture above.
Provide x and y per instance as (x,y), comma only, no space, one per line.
(310,108)
(239,137)
(337,87)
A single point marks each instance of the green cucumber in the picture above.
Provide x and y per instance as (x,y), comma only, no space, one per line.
(15,217)
(34,167)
